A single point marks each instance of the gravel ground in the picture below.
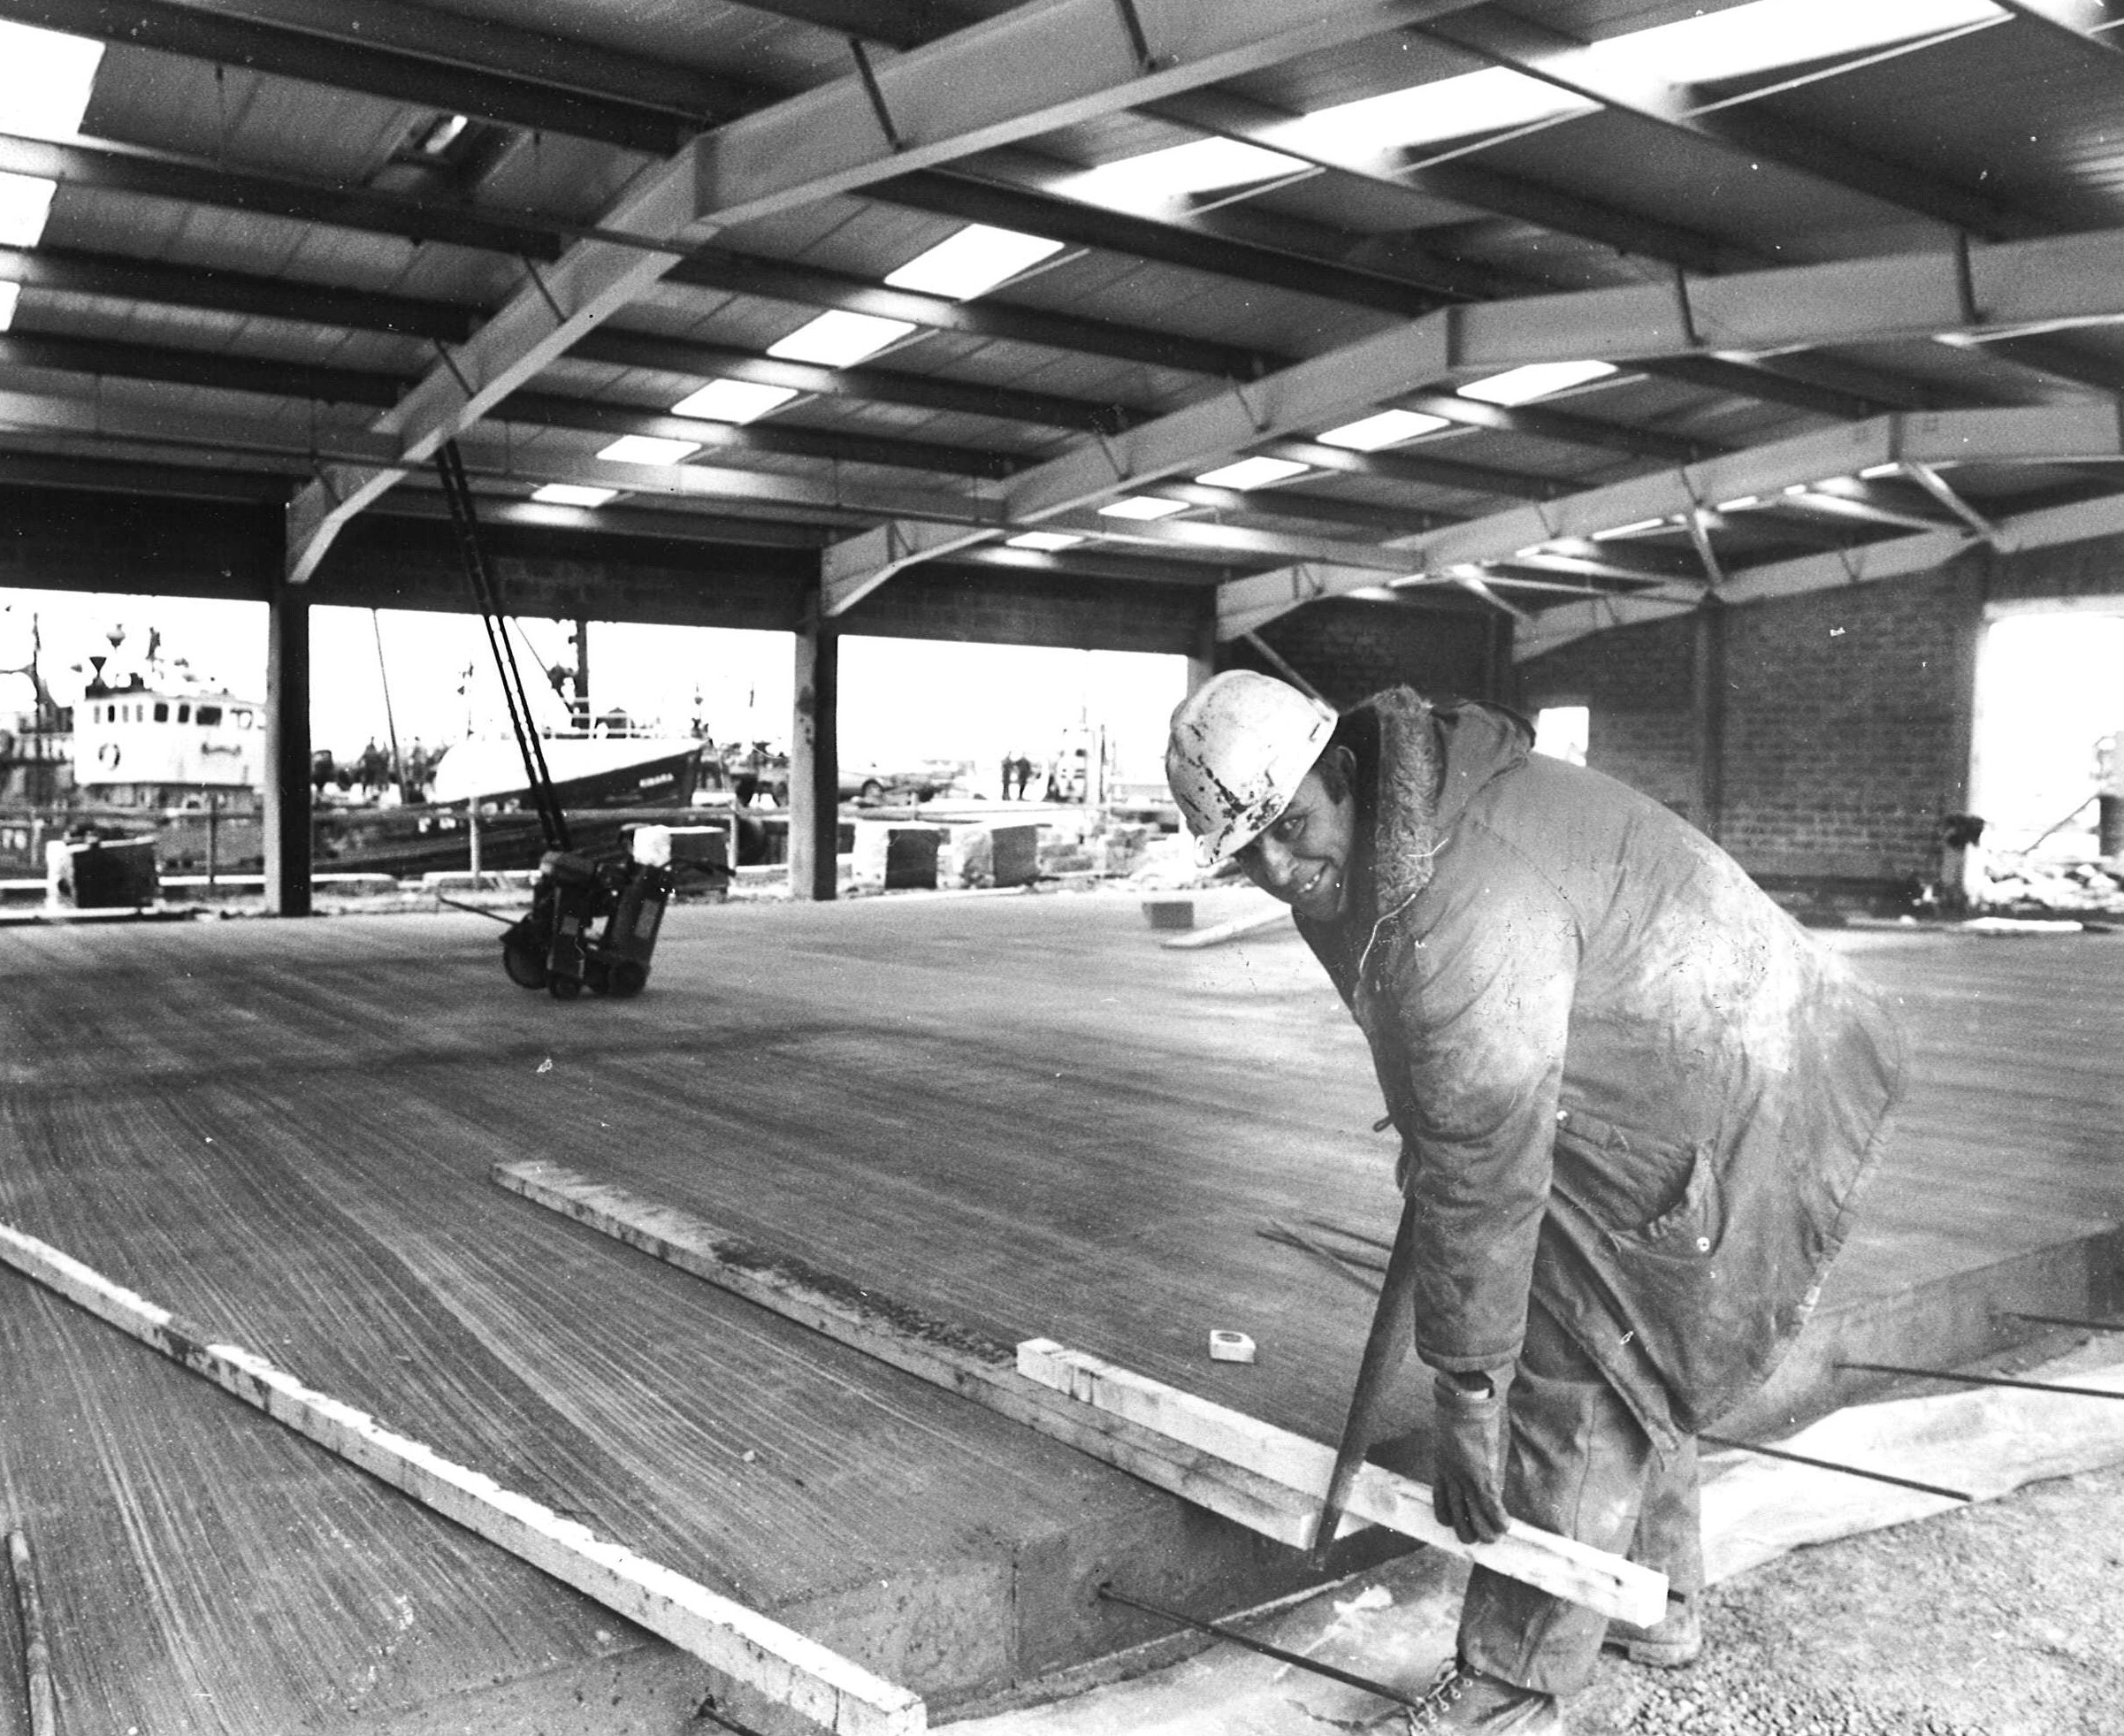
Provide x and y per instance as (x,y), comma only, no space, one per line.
(2006,1618)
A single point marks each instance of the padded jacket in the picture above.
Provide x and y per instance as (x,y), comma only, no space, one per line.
(1627,1084)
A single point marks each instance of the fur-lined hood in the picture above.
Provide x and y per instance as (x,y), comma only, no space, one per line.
(1431,761)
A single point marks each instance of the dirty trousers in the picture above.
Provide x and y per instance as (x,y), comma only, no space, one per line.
(1579,1464)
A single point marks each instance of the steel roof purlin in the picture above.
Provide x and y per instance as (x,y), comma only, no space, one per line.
(1013,77)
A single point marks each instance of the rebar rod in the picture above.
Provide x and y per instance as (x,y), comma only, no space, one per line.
(1982,1380)
(1830,1464)
(1296,1659)
(2064,1320)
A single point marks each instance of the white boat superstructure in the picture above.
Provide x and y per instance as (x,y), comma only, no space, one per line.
(155,746)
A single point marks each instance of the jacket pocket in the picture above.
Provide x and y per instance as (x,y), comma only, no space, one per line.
(1694,1224)
(1631,1186)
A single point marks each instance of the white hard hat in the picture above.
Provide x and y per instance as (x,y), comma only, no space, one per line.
(1241,744)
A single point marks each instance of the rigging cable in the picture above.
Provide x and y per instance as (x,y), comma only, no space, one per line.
(458,495)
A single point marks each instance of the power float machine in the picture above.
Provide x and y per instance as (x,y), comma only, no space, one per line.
(593,921)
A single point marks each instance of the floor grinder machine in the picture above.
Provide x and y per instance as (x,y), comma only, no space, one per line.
(558,945)
(593,923)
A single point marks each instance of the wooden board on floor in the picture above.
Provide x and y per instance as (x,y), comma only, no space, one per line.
(784,1666)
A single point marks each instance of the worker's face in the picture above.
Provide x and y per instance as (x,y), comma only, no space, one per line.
(1304,859)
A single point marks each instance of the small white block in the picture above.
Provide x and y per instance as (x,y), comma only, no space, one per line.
(1230,1346)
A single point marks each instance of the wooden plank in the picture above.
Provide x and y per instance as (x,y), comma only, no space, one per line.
(793,1670)
(1618,1588)
(943,1352)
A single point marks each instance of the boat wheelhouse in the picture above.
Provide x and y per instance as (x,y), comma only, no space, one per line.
(160,746)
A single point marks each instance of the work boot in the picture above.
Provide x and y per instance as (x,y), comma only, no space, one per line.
(1465,1699)
(1669,1644)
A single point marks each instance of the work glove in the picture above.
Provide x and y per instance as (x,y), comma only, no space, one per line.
(1467,1480)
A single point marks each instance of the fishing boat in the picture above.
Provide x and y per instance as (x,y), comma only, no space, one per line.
(587,770)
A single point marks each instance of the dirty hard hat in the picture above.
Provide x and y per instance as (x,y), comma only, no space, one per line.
(1241,744)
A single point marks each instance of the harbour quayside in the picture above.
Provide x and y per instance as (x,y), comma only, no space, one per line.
(159,752)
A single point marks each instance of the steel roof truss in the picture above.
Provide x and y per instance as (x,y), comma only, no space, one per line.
(2054,280)
(2046,434)
(1026,73)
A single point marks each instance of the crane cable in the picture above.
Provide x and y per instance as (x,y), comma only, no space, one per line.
(457,494)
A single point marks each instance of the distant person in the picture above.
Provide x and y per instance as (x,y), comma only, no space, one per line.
(1025,775)
(1010,771)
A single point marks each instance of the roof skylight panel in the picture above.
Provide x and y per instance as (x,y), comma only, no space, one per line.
(1537,379)
(739,400)
(572,494)
(1385,428)
(1767,34)
(1252,473)
(24,205)
(1046,541)
(45,80)
(973,262)
(837,338)
(1142,506)
(648,449)
(1159,180)
(9,293)
(1469,106)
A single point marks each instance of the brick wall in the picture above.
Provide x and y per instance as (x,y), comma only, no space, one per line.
(1845,725)
(1350,648)
(1638,685)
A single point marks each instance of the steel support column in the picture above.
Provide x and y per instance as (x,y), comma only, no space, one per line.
(287,840)
(1708,722)
(815,770)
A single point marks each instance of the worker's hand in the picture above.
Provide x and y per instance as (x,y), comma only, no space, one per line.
(1469,1453)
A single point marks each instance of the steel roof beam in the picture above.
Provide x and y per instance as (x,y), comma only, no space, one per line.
(2046,527)
(1184,245)
(815,287)
(2084,21)
(2046,433)
(1540,52)
(220,371)
(1561,426)
(337,454)
(1227,114)
(878,385)
(119,276)
(2053,281)
(1031,71)
(71,271)
(161,174)
(325,51)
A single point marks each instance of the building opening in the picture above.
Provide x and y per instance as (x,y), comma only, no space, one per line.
(2048,749)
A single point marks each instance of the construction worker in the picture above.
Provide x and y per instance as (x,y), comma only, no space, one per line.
(1635,1104)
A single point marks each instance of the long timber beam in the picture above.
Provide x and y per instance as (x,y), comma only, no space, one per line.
(1011,77)
(994,1374)
(1618,1588)
(795,1670)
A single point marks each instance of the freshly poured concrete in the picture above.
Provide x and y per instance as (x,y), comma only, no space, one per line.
(1017,1112)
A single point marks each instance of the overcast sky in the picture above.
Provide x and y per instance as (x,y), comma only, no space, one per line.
(901,700)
